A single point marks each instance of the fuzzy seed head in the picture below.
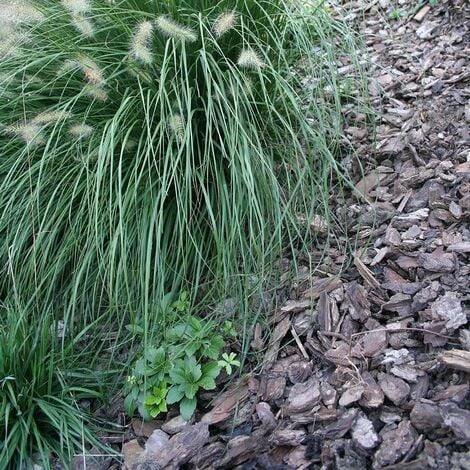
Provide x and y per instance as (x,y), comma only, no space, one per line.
(174,30)
(68,66)
(83,25)
(80,131)
(93,74)
(18,12)
(224,23)
(49,117)
(176,125)
(96,93)
(140,44)
(11,41)
(29,132)
(77,6)
(250,59)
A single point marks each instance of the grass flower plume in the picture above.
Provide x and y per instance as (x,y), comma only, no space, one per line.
(141,42)
(18,12)
(77,6)
(172,29)
(176,124)
(224,22)
(48,117)
(80,131)
(30,133)
(83,25)
(250,59)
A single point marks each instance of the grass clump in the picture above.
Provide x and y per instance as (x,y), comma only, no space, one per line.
(179,144)
(39,414)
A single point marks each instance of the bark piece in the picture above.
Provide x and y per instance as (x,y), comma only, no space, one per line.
(395,444)
(400,304)
(208,455)
(426,416)
(359,305)
(363,433)
(174,425)
(226,404)
(448,308)
(373,396)
(422,13)
(457,419)
(437,262)
(145,428)
(456,359)
(351,395)
(370,344)
(271,388)
(241,449)
(279,332)
(342,425)
(395,389)
(181,448)
(132,452)
(460,247)
(303,396)
(455,393)
(296,306)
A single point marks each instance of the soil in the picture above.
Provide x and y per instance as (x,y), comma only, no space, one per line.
(376,375)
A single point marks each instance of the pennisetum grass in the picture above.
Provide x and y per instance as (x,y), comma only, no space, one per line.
(149,147)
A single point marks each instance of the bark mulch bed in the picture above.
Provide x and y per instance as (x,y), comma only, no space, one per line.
(376,375)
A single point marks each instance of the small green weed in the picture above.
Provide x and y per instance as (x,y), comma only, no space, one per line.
(398,13)
(188,359)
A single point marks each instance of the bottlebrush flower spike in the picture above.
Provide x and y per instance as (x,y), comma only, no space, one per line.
(140,45)
(176,124)
(48,117)
(224,23)
(80,131)
(29,132)
(250,59)
(83,25)
(95,92)
(172,29)
(16,12)
(77,6)
(93,74)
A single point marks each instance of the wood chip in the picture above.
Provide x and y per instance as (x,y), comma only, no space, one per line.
(366,273)
(456,359)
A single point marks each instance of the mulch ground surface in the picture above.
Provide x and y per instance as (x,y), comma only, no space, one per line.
(376,375)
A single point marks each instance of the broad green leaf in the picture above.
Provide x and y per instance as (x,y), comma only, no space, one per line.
(190,390)
(130,404)
(151,400)
(193,367)
(207,383)
(187,407)
(174,395)
(211,369)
